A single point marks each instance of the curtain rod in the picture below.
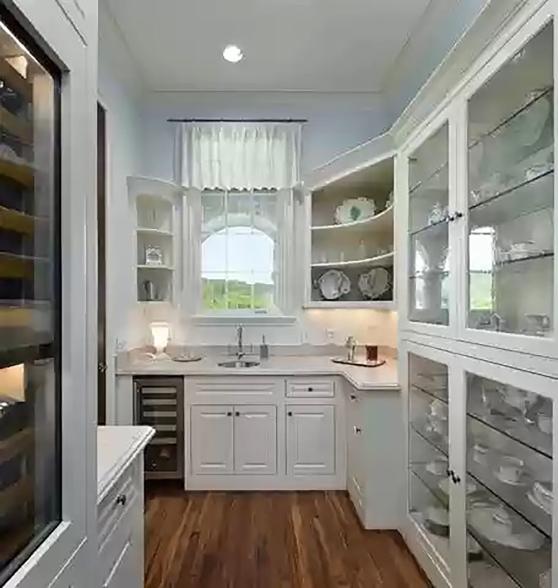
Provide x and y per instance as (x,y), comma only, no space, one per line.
(248,120)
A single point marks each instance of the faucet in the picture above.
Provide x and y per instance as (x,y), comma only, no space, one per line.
(239,349)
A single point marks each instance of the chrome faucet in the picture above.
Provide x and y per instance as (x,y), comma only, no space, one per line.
(239,349)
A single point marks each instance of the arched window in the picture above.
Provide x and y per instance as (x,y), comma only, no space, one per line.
(239,252)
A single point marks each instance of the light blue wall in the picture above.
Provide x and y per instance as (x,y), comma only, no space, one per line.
(444,25)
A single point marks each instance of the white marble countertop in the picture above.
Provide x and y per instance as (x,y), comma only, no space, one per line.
(117,447)
(363,378)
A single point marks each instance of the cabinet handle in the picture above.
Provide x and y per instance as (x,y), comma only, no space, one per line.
(458,215)
(121,499)
(229,413)
(290,413)
(237,413)
(358,430)
(353,397)
(455,478)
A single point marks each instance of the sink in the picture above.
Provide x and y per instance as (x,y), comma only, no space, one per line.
(238,363)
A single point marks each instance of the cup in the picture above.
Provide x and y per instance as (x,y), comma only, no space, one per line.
(480,453)
(542,491)
(511,468)
(502,520)
(438,409)
(544,422)
(371,353)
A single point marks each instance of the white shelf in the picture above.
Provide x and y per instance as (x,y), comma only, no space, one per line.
(381,221)
(354,304)
(148,231)
(378,260)
(155,267)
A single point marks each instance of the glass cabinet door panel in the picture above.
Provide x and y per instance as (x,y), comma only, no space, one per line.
(509,481)
(511,195)
(428,230)
(30,303)
(428,450)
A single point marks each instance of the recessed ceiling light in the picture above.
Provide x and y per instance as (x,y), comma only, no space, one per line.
(232,53)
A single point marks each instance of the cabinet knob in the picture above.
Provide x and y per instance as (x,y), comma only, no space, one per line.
(290,413)
(310,389)
(357,430)
(121,499)
(237,413)
(353,397)
(229,413)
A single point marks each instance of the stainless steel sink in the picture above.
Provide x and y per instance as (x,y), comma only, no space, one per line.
(238,363)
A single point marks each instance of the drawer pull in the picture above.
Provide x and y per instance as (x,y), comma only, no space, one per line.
(310,389)
(121,500)
(290,413)
(353,397)
(229,413)
(237,413)
(358,430)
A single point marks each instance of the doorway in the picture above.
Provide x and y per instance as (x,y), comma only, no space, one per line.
(101,267)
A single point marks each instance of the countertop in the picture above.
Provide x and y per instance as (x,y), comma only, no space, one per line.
(363,378)
(117,447)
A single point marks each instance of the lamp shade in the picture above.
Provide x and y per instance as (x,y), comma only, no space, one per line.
(160,333)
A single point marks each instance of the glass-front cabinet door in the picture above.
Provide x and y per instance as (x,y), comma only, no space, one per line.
(509,480)
(510,195)
(428,230)
(428,496)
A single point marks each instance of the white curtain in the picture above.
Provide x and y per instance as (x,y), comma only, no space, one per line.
(238,155)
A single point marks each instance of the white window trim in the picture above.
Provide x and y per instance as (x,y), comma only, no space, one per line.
(191,291)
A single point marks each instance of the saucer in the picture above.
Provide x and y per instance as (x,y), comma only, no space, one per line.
(523,481)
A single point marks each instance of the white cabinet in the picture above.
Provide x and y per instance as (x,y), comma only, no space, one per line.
(255,439)
(310,439)
(229,439)
(375,480)
(212,439)
(356,473)
(480,470)
(477,192)
(123,570)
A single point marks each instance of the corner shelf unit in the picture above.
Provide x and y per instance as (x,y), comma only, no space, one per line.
(357,247)
(154,205)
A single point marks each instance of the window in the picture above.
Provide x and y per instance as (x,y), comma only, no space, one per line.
(481,264)
(242,262)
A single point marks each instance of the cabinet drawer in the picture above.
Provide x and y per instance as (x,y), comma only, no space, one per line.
(229,390)
(310,388)
(117,503)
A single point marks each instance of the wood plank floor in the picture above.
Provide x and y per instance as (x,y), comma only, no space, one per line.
(268,540)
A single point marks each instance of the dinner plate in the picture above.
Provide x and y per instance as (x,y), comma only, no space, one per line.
(334,284)
(374,283)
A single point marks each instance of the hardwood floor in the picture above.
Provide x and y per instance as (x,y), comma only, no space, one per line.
(268,540)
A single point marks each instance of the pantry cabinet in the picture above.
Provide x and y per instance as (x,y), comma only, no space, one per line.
(310,439)
(476,187)
(480,470)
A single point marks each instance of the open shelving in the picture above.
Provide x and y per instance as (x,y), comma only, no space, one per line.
(154,205)
(354,248)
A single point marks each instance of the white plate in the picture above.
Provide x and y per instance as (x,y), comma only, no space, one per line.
(481,518)
(354,209)
(334,284)
(374,283)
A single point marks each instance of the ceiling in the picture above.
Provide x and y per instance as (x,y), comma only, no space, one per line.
(289,45)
